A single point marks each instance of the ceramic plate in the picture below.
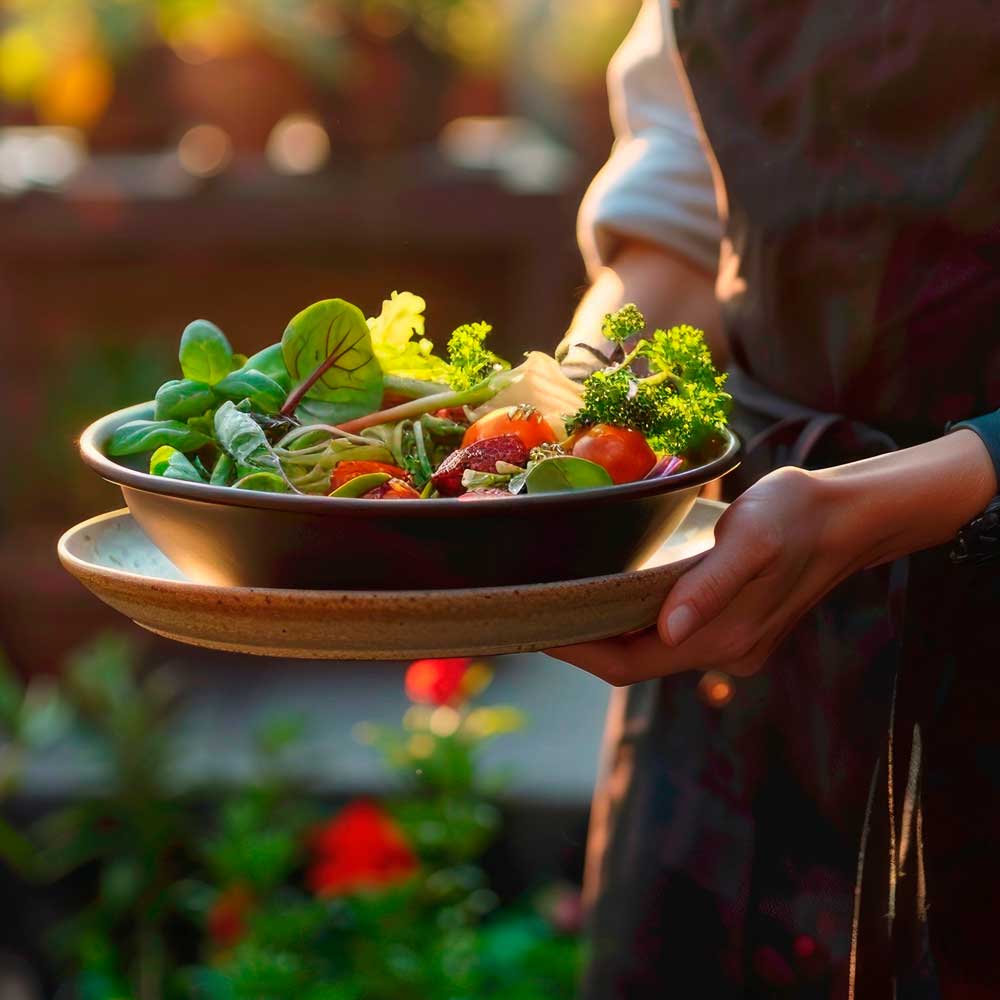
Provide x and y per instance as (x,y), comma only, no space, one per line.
(113,558)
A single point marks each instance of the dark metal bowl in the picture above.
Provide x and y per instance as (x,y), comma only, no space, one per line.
(220,535)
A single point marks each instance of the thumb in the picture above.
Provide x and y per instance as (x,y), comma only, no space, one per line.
(741,552)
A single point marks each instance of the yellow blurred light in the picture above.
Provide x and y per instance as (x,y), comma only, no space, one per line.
(478,32)
(205,150)
(23,64)
(198,35)
(484,722)
(444,721)
(421,746)
(77,91)
(716,689)
(298,144)
(477,679)
(417,717)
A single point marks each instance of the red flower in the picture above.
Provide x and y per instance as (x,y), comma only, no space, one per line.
(360,848)
(445,681)
(227,919)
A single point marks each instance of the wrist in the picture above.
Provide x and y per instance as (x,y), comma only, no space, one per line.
(889,506)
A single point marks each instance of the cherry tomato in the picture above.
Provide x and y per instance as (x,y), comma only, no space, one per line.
(346,471)
(524,422)
(394,489)
(624,453)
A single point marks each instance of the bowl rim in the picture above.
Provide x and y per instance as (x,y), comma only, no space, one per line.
(95,436)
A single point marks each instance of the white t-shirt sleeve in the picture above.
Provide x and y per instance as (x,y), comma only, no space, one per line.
(657,184)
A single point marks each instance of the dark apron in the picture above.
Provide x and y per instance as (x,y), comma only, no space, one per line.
(834,830)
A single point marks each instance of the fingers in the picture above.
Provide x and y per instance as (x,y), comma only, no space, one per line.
(743,550)
(623,660)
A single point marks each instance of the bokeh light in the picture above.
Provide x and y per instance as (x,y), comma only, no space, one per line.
(298,144)
(205,150)
(716,689)
(77,92)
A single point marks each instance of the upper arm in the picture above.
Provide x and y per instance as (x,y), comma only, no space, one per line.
(657,186)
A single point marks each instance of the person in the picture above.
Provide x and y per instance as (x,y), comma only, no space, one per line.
(815,185)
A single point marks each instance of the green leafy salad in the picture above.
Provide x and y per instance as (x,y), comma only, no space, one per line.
(346,406)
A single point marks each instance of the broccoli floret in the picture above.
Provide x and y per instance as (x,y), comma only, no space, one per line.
(677,406)
(625,323)
(469,361)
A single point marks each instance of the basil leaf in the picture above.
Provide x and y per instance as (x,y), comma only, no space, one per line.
(205,354)
(241,437)
(172,464)
(224,472)
(328,352)
(556,475)
(360,485)
(271,363)
(262,482)
(138,436)
(265,395)
(180,399)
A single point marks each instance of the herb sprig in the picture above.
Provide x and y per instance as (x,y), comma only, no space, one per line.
(677,406)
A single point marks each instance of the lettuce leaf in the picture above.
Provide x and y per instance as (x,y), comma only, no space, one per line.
(399,343)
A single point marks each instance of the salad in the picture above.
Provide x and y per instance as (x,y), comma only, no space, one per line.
(346,406)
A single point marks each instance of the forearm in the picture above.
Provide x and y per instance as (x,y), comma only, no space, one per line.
(895,504)
(667,288)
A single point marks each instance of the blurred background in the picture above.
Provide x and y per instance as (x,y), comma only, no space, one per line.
(162,160)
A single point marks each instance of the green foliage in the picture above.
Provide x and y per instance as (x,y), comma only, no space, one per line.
(264,393)
(172,464)
(139,436)
(205,354)
(241,437)
(399,342)
(232,871)
(678,406)
(625,323)
(469,360)
(328,352)
(180,399)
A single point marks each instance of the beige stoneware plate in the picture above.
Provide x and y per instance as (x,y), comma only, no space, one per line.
(113,558)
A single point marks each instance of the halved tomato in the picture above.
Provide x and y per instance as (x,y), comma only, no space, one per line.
(524,422)
(623,452)
(346,471)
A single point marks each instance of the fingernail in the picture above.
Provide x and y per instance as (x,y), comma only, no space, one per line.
(681,623)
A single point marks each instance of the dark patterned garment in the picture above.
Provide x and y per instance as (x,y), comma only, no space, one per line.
(835,829)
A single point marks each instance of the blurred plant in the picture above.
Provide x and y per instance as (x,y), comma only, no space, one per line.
(255,893)
(61,55)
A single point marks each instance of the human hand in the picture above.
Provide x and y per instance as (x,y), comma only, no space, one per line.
(789,540)
(779,549)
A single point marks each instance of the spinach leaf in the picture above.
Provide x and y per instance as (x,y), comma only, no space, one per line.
(264,393)
(242,438)
(172,464)
(138,436)
(328,352)
(224,472)
(205,354)
(262,482)
(556,475)
(271,363)
(180,399)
